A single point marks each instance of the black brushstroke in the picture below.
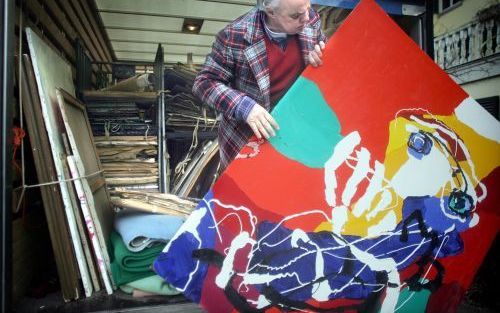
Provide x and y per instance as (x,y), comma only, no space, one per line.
(414,282)
(209,256)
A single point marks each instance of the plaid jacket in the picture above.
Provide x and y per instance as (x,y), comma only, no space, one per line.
(237,67)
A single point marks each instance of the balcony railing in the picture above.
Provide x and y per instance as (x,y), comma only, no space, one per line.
(474,41)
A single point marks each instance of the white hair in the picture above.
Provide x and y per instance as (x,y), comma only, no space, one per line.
(263,4)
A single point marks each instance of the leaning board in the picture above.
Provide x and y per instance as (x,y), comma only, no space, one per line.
(52,71)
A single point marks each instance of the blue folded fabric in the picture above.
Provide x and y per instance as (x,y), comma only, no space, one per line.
(141,230)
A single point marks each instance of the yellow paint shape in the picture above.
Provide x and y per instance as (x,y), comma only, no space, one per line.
(484,153)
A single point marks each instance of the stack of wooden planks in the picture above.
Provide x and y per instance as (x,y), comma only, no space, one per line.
(129,160)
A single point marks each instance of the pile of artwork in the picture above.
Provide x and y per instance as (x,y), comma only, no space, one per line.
(377,194)
(88,238)
(123,123)
(191,129)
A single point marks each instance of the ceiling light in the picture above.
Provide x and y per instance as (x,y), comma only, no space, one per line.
(192,25)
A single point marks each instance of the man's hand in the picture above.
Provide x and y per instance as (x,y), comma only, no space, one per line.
(315,56)
(261,122)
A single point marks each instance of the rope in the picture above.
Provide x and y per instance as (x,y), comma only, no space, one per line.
(159,92)
(181,166)
(19,136)
(106,129)
(146,133)
(24,186)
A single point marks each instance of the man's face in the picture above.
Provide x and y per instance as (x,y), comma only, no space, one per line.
(290,16)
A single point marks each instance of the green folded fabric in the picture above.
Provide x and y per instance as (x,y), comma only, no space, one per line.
(130,266)
(154,284)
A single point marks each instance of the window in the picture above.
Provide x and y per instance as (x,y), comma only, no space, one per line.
(491,105)
(447,5)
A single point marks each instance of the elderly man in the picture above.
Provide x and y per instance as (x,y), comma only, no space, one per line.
(254,60)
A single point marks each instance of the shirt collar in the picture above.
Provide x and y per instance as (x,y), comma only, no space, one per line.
(278,37)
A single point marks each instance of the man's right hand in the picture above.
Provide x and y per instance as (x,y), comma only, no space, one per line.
(261,122)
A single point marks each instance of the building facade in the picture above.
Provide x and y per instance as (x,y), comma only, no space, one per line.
(466,45)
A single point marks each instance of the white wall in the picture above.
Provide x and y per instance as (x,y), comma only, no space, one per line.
(459,16)
(483,88)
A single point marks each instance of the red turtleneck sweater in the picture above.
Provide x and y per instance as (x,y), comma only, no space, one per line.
(284,65)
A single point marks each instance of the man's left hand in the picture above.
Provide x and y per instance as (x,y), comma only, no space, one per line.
(315,55)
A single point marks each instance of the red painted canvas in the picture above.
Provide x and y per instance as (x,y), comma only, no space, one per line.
(379,192)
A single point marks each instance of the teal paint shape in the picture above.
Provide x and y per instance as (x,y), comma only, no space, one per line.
(309,129)
(413,301)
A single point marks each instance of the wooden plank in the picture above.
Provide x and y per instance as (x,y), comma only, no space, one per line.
(96,28)
(73,18)
(99,21)
(96,206)
(93,280)
(88,28)
(124,143)
(48,24)
(61,18)
(27,22)
(126,138)
(146,207)
(115,181)
(97,183)
(116,95)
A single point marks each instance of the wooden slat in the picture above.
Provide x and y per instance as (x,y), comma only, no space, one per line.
(64,23)
(26,22)
(97,15)
(96,184)
(88,28)
(96,29)
(73,18)
(60,17)
(57,11)
(120,95)
(46,21)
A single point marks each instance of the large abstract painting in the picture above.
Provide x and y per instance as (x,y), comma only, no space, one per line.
(378,194)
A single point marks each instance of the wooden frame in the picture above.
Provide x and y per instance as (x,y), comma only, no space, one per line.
(83,160)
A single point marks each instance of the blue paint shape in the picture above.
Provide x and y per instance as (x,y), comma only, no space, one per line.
(175,264)
(309,129)
(419,145)
(276,254)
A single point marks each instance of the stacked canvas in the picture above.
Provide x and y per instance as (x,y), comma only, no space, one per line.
(123,122)
(191,131)
(121,113)
(77,206)
(184,111)
(129,161)
(58,225)
(79,209)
